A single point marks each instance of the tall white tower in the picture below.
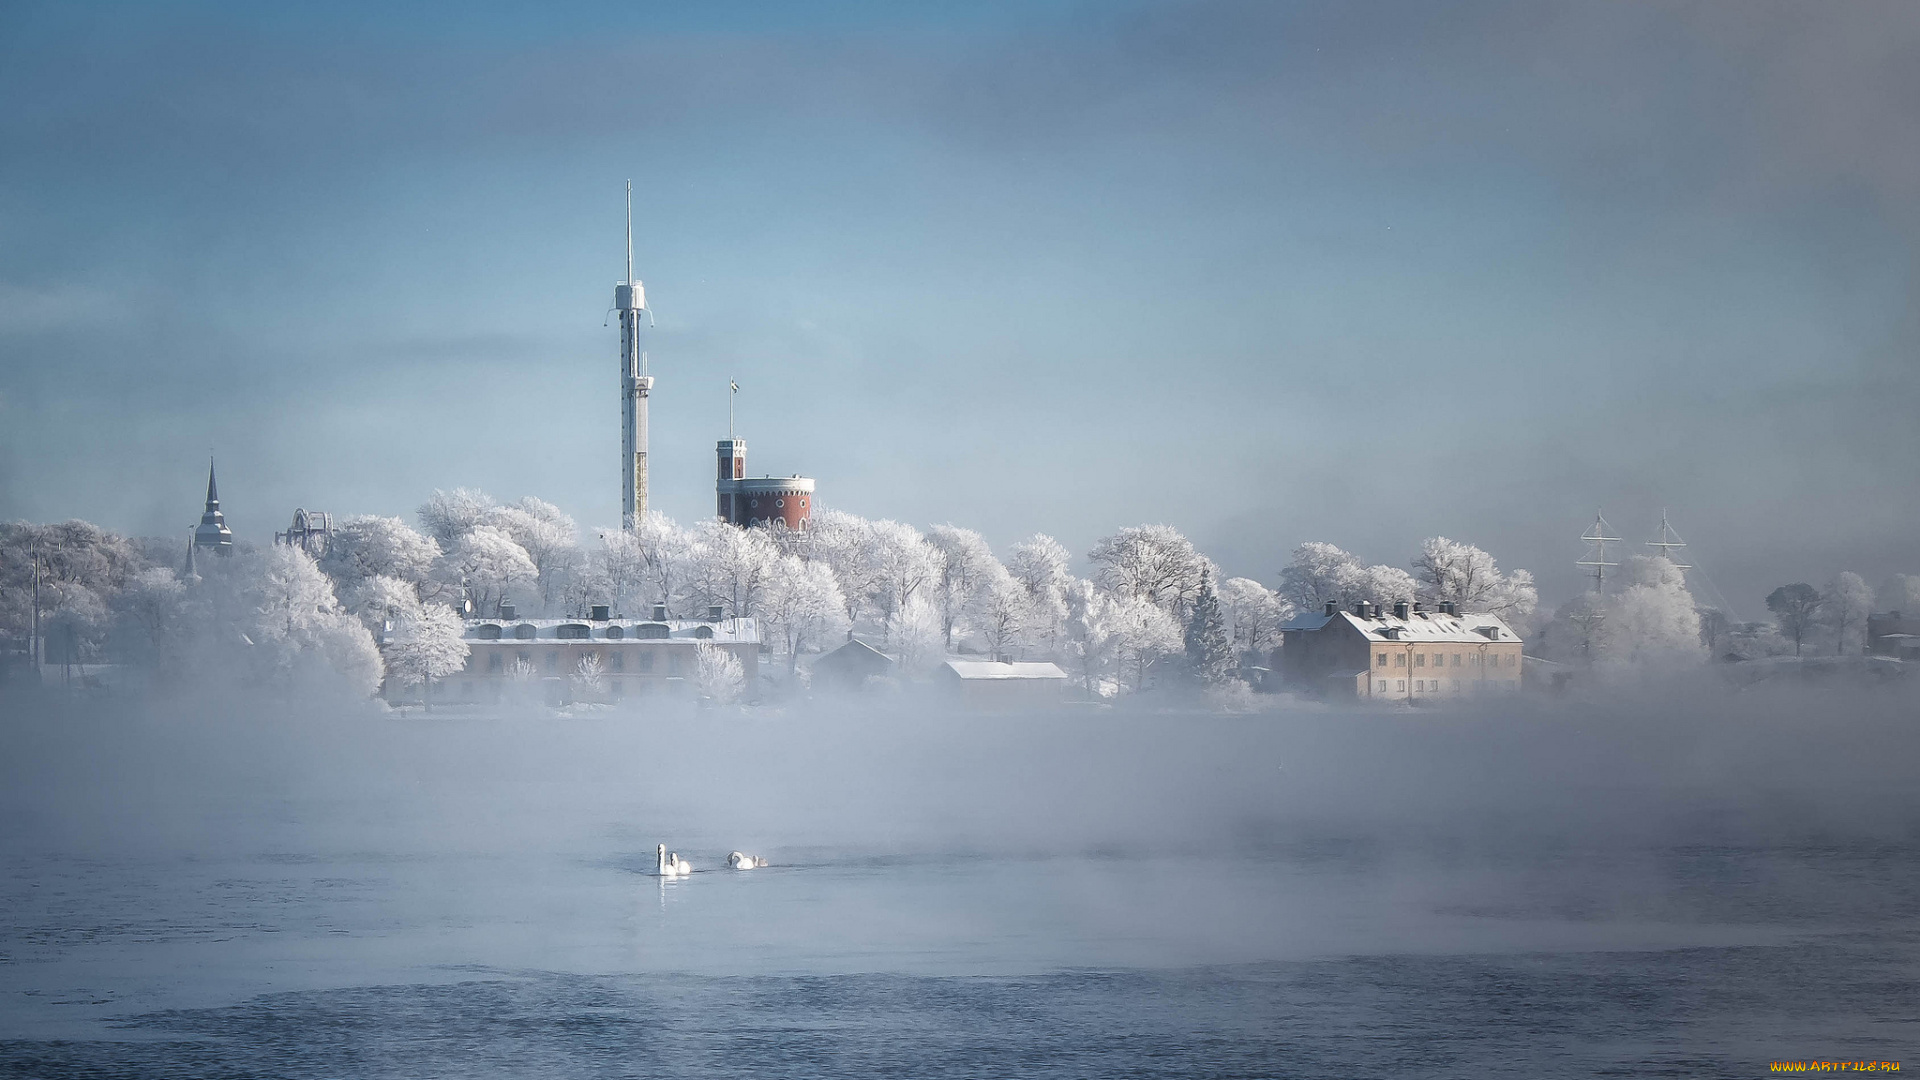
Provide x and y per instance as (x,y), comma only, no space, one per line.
(630,298)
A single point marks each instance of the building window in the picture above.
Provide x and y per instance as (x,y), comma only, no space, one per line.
(1399,659)
(1511,657)
(1419,659)
(495,662)
(619,660)
(1381,661)
(1382,686)
(524,631)
(779,502)
(803,504)
(615,633)
(553,659)
(1400,685)
(644,662)
(753,502)
(1456,663)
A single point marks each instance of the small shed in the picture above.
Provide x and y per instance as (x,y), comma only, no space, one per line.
(850,666)
(997,684)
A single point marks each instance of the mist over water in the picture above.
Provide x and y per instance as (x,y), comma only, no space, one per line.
(1295,890)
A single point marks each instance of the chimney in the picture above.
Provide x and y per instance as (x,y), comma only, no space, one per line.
(507,611)
(600,613)
(1360,609)
(1400,609)
(713,613)
(1333,607)
(659,613)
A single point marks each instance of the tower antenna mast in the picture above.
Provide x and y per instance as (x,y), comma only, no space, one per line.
(1597,537)
(630,299)
(1668,542)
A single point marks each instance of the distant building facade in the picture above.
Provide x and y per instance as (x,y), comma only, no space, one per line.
(850,666)
(1894,634)
(745,501)
(1403,654)
(636,656)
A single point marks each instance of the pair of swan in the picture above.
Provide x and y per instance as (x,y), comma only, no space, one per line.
(668,864)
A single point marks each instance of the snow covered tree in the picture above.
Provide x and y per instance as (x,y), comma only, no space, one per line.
(1901,593)
(966,562)
(1209,650)
(1318,573)
(300,635)
(1153,563)
(450,515)
(489,564)
(668,561)
(803,606)
(1796,608)
(1448,570)
(367,546)
(623,570)
(1145,632)
(1039,564)
(1652,622)
(427,644)
(1000,610)
(1387,585)
(380,600)
(915,635)
(1254,614)
(717,674)
(730,566)
(905,565)
(1844,608)
(154,600)
(545,533)
(589,681)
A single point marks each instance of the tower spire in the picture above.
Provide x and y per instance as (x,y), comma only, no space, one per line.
(630,299)
(629,232)
(213,490)
(212,533)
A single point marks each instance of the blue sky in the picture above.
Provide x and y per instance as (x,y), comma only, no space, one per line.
(1270,272)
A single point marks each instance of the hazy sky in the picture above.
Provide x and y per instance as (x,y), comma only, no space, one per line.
(1269,272)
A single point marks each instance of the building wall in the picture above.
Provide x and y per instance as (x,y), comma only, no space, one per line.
(759,502)
(1338,660)
(631,668)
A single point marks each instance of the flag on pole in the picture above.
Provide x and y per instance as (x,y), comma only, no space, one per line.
(734,385)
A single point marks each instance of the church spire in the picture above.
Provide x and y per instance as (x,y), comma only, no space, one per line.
(212,533)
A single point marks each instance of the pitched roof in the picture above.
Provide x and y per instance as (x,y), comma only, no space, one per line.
(1427,626)
(989,669)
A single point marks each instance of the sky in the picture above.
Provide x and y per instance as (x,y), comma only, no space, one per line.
(1269,272)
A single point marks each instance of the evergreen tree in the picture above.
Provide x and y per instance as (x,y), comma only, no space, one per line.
(1209,649)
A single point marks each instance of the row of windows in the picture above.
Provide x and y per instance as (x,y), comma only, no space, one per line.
(581,632)
(1432,686)
(616,661)
(1473,659)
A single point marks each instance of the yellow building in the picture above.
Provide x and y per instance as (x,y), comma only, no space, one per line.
(1407,654)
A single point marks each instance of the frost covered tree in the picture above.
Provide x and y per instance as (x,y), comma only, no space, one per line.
(717,674)
(1039,564)
(489,564)
(1796,608)
(905,567)
(915,635)
(622,569)
(1254,614)
(380,600)
(1901,593)
(1090,638)
(1448,570)
(368,546)
(730,566)
(1001,611)
(589,681)
(546,534)
(450,515)
(803,606)
(1387,585)
(1843,609)
(1652,622)
(155,601)
(1145,633)
(965,565)
(299,635)
(1319,573)
(1153,563)
(667,561)
(427,644)
(1209,649)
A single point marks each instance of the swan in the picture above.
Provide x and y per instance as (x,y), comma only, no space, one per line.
(741,861)
(669,864)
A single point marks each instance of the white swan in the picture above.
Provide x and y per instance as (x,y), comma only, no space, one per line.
(740,861)
(670,864)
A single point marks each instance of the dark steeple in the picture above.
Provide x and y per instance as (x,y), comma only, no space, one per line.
(213,533)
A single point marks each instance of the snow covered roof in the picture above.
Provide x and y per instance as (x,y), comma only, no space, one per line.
(989,669)
(1428,626)
(743,631)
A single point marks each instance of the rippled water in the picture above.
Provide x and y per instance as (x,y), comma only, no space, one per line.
(386,898)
